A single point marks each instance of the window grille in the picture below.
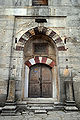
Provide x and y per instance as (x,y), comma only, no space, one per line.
(41,48)
(39,2)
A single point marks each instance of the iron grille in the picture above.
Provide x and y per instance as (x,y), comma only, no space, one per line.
(39,2)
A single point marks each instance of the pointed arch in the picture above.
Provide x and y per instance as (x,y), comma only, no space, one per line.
(44,31)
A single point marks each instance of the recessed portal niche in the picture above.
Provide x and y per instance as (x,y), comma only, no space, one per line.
(40,68)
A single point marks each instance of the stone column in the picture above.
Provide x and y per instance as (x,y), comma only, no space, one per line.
(11,92)
(10,105)
(69,89)
(69,93)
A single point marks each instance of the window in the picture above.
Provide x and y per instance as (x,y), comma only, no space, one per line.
(39,2)
(40,48)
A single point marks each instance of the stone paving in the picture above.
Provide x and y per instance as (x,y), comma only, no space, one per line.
(51,115)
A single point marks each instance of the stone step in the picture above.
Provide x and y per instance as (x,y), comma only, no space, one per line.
(40,105)
(40,108)
(8,113)
(71,108)
(40,111)
(70,103)
(9,107)
(37,100)
(8,110)
(10,103)
(46,106)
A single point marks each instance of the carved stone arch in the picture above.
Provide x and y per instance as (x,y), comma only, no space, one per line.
(44,31)
(34,59)
(37,59)
(40,60)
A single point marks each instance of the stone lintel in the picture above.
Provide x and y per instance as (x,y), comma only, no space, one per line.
(28,11)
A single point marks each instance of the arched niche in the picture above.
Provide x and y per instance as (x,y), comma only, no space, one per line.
(52,41)
(41,49)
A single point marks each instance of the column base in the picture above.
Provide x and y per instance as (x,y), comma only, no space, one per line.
(9,109)
(58,106)
(70,106)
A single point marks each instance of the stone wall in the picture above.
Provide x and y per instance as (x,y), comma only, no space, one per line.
(62,16)
(6,33)
(29,2)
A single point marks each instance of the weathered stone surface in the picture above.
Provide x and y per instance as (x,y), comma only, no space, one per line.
(28,3)
(63,17)
(57,115)
(11,92)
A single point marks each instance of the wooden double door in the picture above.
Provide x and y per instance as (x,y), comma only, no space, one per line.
(40,81)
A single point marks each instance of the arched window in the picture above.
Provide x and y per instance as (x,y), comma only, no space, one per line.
(39,2)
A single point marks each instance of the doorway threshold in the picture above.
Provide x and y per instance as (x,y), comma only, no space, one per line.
(40,104)
(40,100)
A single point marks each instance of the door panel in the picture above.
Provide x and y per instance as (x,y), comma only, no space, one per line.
(40,84)
(46,90)
(46,82)
(34,83)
